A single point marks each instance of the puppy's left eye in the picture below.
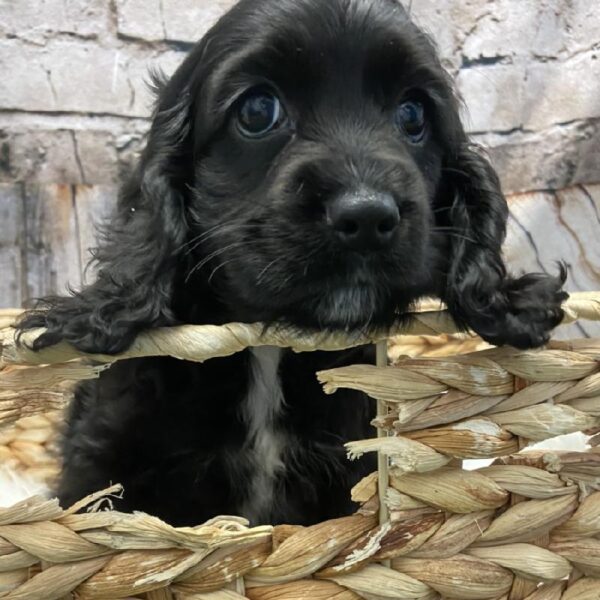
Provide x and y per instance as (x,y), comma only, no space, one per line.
(259,113)
(410,119)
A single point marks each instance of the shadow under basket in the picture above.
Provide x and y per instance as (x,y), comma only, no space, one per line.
(524,527)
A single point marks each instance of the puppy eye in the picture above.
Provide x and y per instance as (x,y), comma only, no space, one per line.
(259,113)
(410,119)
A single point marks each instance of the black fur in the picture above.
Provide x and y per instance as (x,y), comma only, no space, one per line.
(214,227)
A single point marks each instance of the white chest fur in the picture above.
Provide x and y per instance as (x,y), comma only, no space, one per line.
(264,444)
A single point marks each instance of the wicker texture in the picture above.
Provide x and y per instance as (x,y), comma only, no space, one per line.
(474,555)
(30,445)
(200,343)
(525,528)
(509,388)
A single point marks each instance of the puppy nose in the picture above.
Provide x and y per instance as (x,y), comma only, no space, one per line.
(364,220)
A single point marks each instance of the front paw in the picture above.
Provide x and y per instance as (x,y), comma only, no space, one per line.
(528,309)
(71,320)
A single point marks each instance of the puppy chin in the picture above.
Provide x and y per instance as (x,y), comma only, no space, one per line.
(353,307)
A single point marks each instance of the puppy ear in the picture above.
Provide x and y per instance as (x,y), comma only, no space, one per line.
(137,259)
(480,294)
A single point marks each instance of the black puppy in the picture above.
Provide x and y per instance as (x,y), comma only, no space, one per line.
(306,165)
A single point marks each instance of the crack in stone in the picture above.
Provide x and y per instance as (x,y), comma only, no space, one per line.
(591,200)
(565,56)
(543,58)
(530,239)
(505,132)
(49,37)
(591,121)
(68,113)
(472,30)
(132,42)
(28,41)
(51,84)
(485,61)
(77,36)
(78,158)
(77,227)
(113,12)
(5,157)
(24,246)
(131,93)
(161,9)
(558,203)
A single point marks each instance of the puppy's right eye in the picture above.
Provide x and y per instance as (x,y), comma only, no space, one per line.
(259,113)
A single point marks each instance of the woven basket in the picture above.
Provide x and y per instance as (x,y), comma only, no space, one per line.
(526,527)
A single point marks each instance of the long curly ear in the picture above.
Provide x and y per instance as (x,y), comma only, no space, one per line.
(479,292)
(138,255)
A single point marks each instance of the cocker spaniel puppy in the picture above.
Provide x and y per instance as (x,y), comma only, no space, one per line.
(306,165)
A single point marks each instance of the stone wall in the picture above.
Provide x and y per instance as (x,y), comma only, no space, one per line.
(74,103)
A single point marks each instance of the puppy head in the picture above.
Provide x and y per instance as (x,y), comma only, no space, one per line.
(320,131)
(306,164)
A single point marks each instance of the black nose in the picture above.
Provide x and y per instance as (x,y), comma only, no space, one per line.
(364,220)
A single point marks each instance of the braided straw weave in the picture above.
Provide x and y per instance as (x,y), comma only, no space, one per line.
(30,446)
(526,527)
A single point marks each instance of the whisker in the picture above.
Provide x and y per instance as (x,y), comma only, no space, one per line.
(306,258)
(212,255)
(266,269)
(214,271)
(453,233)
(213,232)
(457,171)
(283,283)
(201,236)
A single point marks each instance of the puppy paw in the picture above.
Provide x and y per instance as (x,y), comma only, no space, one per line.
(73,321)
(525,311)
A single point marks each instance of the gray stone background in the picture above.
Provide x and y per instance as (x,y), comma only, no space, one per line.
(74,103)
(74,108)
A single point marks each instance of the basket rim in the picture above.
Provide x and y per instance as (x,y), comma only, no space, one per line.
(198,343)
